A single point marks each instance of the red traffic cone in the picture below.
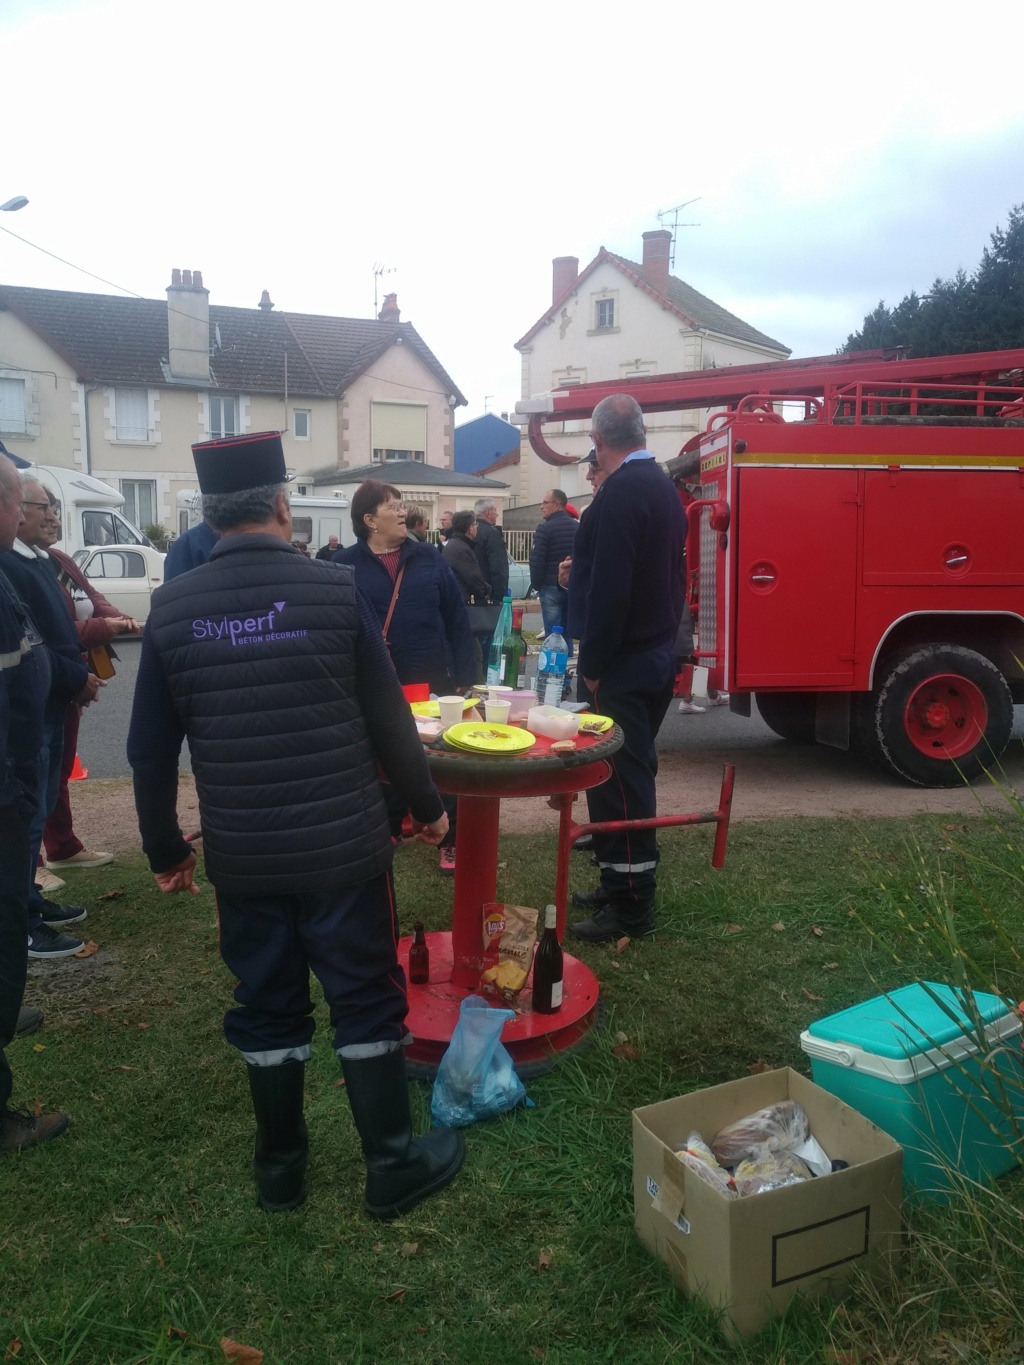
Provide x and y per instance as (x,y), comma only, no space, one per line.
(78,772)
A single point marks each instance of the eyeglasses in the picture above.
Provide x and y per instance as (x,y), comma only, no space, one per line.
(44,505)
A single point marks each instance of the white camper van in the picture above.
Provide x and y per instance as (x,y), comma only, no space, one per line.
(314,520)
(113,554)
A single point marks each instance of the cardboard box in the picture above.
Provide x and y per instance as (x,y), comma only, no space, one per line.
(751,1256)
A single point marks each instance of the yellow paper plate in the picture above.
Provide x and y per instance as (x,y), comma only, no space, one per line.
(477,736)
(595,725)
(433,710)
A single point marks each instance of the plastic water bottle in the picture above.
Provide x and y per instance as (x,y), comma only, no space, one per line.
(551,665)
(495,661)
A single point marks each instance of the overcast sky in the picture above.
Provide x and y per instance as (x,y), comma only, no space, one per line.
(836,160)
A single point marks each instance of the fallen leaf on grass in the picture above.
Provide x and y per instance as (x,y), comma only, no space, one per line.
(142,1024)
(103,1009)
(621,1037)
(177,1332)
(817,932)
(830,966)
(378,1246)
(38,1047)
(544,1260)
(622,943)
(396,1297)
(234,1350)
(88,949)
(408,1249)
(734,928)
(121,1220)
(339,1081)
(626,1051)
(122,1068)
(111,895)
(160,1260)
(13,1349)
(539,1352)
(810,994)
(759,1067)
(778,926)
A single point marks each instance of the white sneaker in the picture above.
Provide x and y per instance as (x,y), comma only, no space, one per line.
(690,708)
(85,857)
(722,699)
(47,881)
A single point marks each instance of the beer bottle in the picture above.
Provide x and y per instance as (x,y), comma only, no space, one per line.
(548,968)
(419,956)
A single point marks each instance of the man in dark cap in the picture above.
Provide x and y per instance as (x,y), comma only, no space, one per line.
(274,668)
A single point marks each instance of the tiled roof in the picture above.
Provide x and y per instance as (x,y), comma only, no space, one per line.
(404,472)
(112,340)
(683,300)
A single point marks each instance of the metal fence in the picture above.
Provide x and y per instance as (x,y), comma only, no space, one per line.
(518,543)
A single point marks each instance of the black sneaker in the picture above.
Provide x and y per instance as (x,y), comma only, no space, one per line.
(608,924)
(583,844)
(29,1020)
(47,942)
(56,916)
(19,1129)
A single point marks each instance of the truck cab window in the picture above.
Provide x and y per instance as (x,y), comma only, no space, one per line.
(107,528)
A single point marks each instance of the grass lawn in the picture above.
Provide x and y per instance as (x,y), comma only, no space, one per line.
(143,1217)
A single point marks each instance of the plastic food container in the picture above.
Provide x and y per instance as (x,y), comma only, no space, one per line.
(553,722)
(912,1062)
(521,701)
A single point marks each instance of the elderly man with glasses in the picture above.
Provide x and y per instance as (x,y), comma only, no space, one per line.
(30,574)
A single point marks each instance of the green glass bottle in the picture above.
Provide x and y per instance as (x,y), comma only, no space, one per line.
(513,653)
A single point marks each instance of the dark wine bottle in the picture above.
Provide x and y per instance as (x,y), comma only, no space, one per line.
(419,956)
(548,968)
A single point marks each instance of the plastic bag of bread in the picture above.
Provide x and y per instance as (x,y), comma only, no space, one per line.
(772,1129)
(770,1172)
(711,1175)
(510,932)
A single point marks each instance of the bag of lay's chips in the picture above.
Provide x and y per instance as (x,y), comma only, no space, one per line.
(510,932)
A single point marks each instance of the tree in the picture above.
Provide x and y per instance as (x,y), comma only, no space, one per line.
(979,312)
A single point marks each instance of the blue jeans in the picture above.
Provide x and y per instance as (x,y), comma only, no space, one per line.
(49,789)
(554,602)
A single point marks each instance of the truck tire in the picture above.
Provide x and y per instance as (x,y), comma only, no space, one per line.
(940,715)
(789,714)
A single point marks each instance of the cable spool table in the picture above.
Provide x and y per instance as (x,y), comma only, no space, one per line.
(481,782)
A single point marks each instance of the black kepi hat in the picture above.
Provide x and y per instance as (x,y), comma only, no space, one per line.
(232,464)
(590,458)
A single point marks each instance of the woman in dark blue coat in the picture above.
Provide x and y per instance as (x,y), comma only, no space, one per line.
(429,635)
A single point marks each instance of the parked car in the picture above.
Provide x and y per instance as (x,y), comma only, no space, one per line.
(518,579)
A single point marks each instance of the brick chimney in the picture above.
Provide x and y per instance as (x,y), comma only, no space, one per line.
(657,247)
(564,274)
(188,326)
(389,309)
(265,304)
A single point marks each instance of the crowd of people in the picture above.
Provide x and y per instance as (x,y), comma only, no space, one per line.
(284,673)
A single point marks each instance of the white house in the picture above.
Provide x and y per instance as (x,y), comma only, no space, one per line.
(617,319)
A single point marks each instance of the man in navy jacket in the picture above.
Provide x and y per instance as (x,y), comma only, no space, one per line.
(625,602)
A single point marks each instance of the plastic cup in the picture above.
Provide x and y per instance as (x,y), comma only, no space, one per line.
(416,691)
(496,712)
(452,709)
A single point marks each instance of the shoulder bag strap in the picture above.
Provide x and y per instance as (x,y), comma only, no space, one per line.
(394,599)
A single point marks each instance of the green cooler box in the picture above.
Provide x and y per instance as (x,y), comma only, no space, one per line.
(913,1062)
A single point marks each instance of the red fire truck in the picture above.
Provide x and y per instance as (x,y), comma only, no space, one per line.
(856,553)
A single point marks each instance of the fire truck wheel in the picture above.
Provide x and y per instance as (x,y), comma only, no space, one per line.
(940,715)
(789,714)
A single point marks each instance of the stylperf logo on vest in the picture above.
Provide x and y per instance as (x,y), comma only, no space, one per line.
(245,630)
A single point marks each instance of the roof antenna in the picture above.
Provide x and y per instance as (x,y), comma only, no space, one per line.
(378,271)
(676,225)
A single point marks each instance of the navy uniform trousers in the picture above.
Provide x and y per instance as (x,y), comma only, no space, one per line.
(635,692)
(348,938)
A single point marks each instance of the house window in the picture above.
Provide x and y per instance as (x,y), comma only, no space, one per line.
(303,421)
(561,379)
(139,501)
(13,407)
(398,431)
(223,416)
(604,314)
(131,415)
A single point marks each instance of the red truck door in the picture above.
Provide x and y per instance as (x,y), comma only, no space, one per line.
(796,577)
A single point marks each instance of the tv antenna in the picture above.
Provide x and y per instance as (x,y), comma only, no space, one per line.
(675,225)
(378,271)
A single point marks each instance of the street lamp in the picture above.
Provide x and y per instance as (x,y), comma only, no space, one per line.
(13,205)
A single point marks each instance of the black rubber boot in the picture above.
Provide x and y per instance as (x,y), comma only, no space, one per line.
(591,900)
(279,1154)
(400,1169)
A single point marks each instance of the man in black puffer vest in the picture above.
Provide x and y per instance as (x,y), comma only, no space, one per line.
(275,670)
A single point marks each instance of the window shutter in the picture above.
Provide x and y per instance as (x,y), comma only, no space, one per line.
(12,406)
(131,414)
(398,426)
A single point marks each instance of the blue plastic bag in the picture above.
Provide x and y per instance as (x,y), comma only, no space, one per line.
(476,1079)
